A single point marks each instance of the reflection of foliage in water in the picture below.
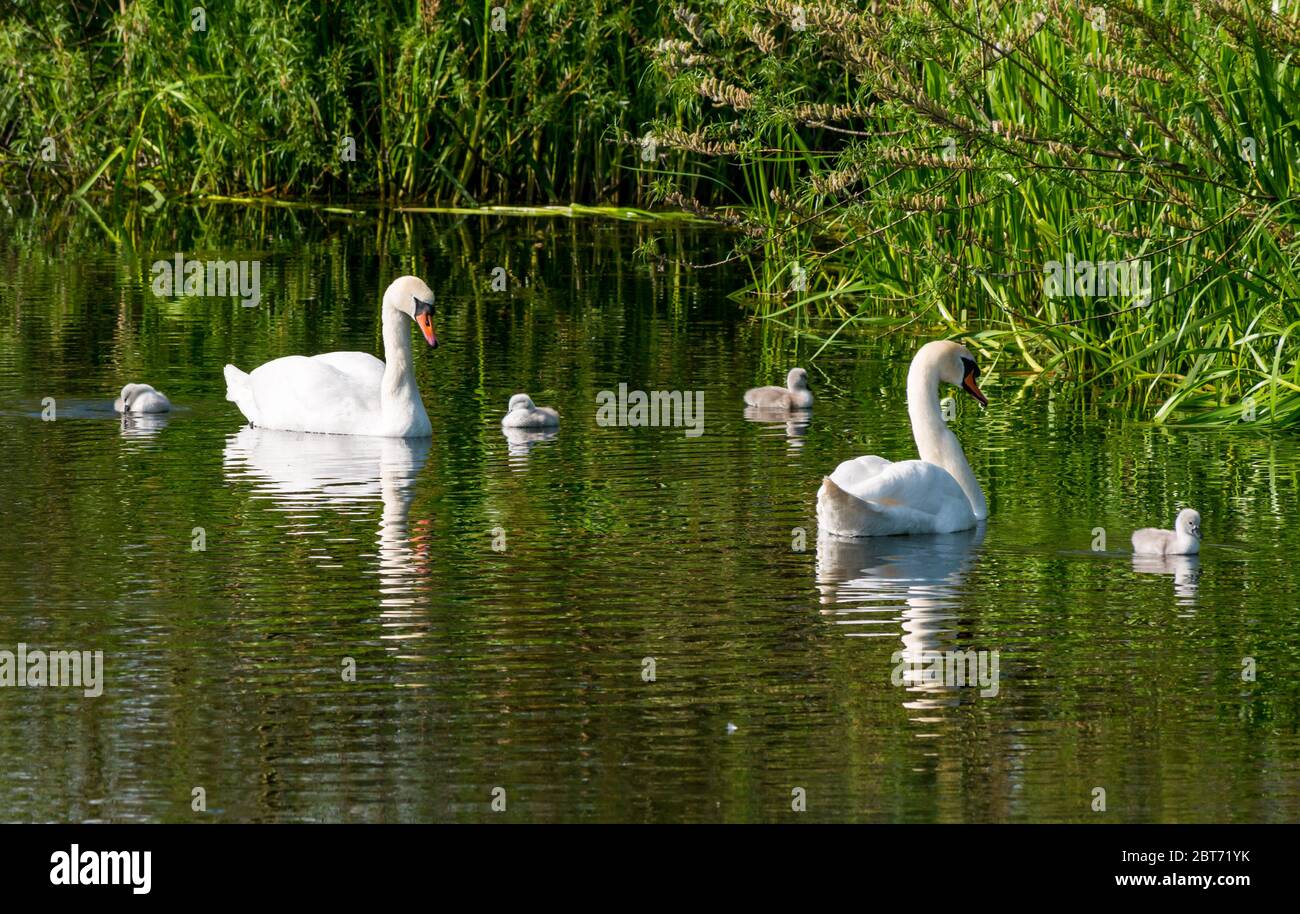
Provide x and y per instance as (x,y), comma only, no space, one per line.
(524,666)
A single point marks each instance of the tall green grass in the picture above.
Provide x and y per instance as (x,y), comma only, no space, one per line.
(922,161)
(394,99)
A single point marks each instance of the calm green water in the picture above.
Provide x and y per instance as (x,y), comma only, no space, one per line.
(522,668)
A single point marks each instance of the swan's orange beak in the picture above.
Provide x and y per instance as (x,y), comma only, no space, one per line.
(423,315)
(968,384)
(425,323)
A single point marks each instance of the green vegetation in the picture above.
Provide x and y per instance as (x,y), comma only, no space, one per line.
(882,164)
(925,161)
(395,99)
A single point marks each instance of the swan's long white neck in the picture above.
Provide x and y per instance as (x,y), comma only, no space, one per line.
(400,395)
(935,442)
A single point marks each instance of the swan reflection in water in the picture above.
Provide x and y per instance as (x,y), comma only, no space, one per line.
(794,421)
(873,584)
(1184,569)
(143,425)
(520,441)
(349,474)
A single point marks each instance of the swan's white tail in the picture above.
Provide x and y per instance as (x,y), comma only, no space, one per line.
(240,392)
(842,514)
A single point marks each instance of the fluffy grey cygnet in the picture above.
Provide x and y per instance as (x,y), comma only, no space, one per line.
(522,413)
(1184,539)
(795,394)
(141,398)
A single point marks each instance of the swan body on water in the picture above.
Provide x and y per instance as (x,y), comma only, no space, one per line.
(795,394)
(1184,539)
(522,413)
(346,393)
(141,398)
(872,496)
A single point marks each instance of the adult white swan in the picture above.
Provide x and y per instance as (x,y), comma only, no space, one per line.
(346,393)
(870,496)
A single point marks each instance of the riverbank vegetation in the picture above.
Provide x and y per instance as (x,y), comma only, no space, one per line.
(375,99)
(899,163)
(927,160)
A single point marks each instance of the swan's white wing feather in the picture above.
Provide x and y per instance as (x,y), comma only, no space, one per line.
(856,475)
(296,393)
(870,496)
(362,366)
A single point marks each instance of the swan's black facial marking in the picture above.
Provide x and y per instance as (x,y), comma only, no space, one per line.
(970,374)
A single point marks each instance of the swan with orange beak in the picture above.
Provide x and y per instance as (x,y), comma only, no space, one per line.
(872,496)
(347,393)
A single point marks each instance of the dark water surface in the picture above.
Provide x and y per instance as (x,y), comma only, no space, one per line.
(521,667)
